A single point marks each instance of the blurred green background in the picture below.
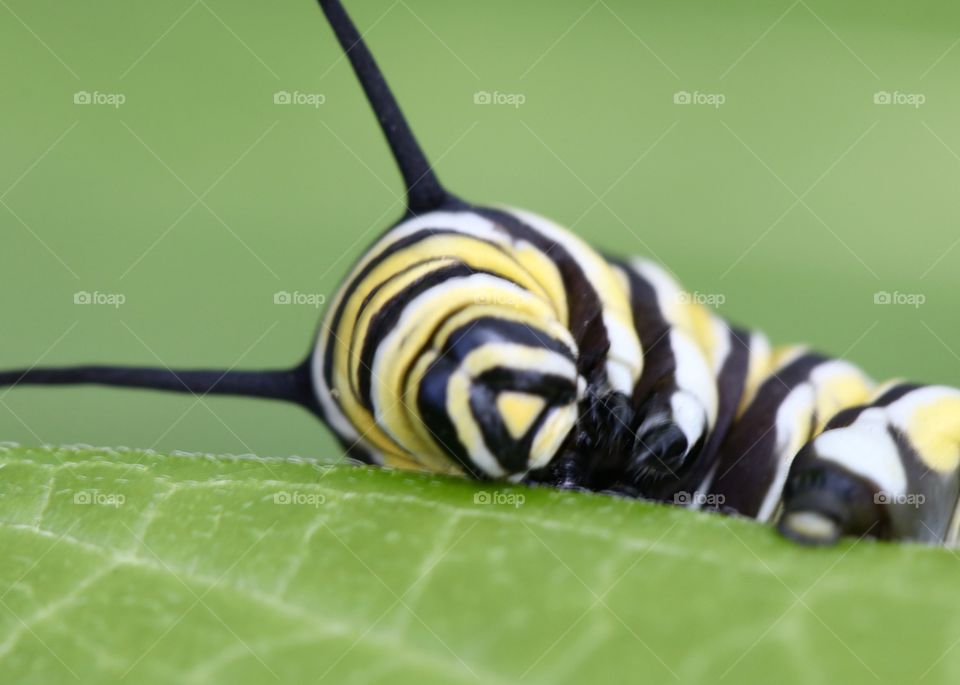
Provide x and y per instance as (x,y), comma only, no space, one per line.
(796,200)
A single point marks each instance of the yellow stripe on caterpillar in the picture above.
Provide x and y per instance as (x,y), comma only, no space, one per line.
(934,431)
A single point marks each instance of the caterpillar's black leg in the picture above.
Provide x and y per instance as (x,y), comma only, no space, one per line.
(567,471)
(660,449)
(616,450)
(593,456)
(604,429)
(652,454)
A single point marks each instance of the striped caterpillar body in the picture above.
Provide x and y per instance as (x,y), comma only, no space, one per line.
(494,344)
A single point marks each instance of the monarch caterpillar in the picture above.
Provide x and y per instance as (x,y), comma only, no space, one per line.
(494,344)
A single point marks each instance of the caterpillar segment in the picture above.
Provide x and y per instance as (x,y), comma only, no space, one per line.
(887,469)
(731,371)
(802,392)
(675,401)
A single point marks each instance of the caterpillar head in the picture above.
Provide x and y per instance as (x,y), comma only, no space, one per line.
(436,361)
(500,396)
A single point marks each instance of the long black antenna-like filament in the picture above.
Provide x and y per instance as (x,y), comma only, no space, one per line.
(424,192)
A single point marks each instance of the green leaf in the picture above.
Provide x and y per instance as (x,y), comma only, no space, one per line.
(145,568)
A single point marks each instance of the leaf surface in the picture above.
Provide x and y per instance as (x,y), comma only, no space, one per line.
(122,565)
